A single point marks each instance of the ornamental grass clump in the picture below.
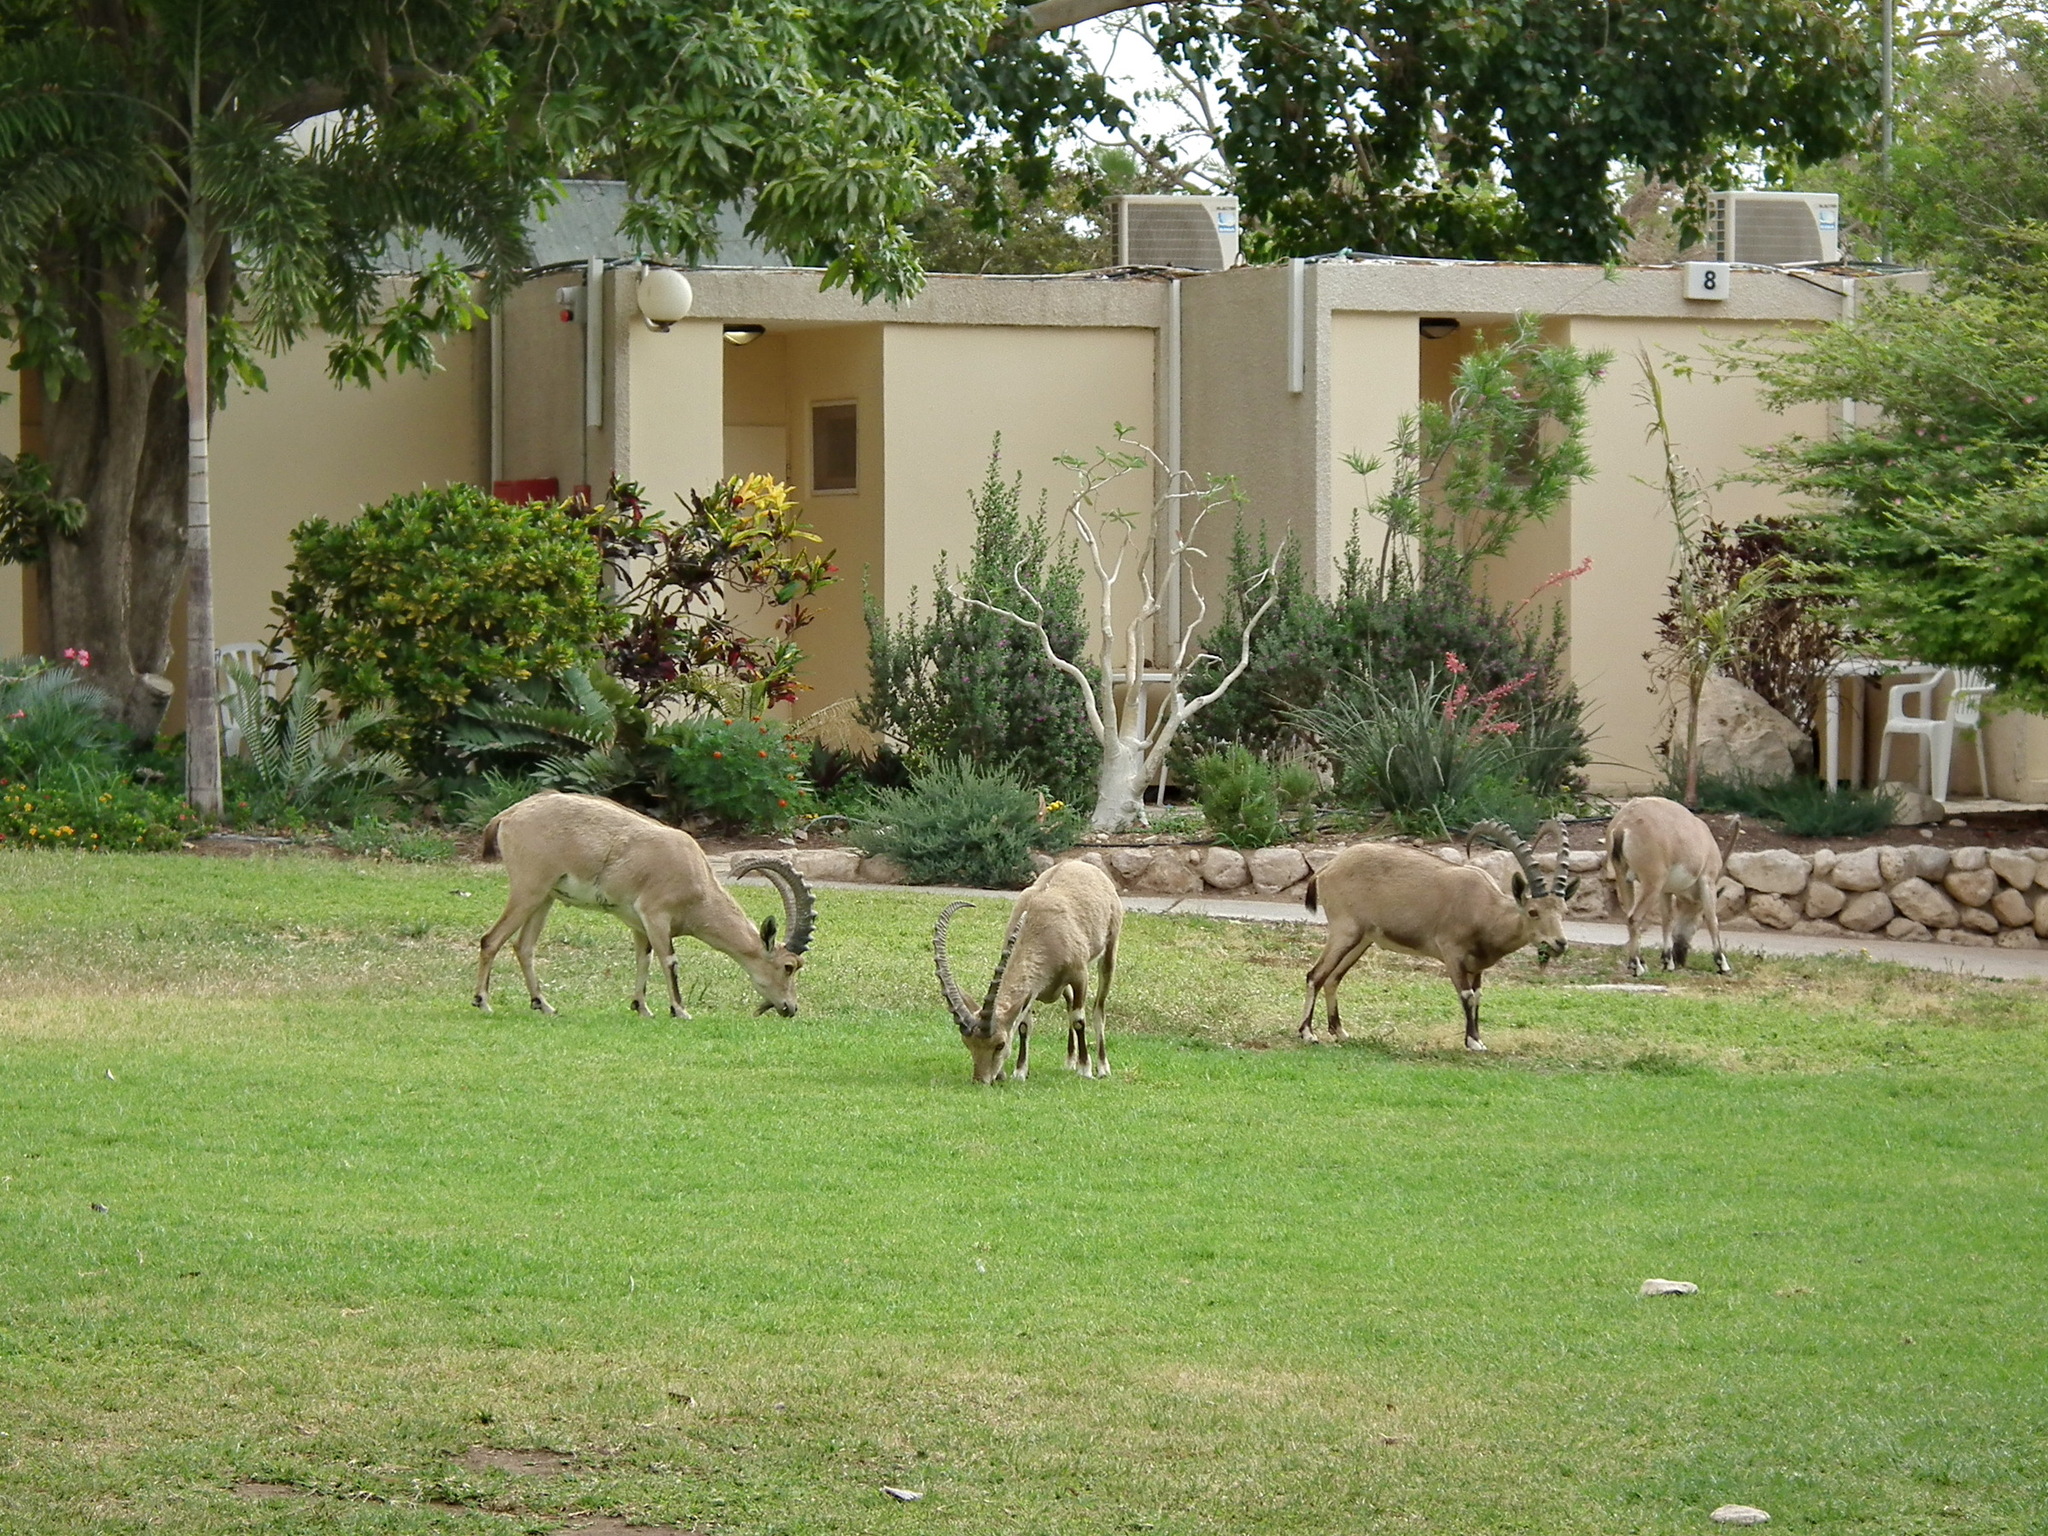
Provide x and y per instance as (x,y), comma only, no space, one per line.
(1429,752)
(958,824)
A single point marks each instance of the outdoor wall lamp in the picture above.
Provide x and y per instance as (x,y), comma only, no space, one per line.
(1437,327)
(740,335)
(665,297)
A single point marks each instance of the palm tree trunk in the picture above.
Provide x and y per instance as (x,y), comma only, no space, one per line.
(202,704)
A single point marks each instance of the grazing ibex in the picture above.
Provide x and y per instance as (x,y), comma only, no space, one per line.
(1406,899)
(1068,920)
(651,877)
(1662,858)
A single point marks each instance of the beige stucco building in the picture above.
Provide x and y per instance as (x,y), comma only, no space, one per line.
(883,416)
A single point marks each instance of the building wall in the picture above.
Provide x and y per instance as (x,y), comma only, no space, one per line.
(1240,419)
(1048,392)
(305,448)
(1620,522)
(664,423)
(541,414)
(1376,377)
(824,365)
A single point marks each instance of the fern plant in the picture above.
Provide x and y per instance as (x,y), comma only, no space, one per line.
(301,760)
(578,730)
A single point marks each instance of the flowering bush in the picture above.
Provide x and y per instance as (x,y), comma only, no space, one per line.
(737,773)
(51,717)
(91,811)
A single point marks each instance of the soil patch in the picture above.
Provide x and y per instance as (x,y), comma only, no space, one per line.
(611,1526)
(530,1463)
(250,1488)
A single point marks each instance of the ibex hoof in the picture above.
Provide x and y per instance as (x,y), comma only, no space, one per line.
(677,1012)
(540,1005)
(1474,1045)
(1636,967)
(482,1002)
(1722,967)
(1337,1034)
(640,1007)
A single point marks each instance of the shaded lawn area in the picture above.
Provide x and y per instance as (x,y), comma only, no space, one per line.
(746,1271)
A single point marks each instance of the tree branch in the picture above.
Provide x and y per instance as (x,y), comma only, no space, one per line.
(1051,15)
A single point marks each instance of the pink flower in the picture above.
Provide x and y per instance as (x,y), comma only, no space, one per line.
(19,714)
(78,654)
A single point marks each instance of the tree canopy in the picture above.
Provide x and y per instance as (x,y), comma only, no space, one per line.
(302,141)
(1481,128)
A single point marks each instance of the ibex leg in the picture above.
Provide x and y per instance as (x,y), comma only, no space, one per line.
(1103,973)
(1467,982)
(1339,953)
(529,941)
(519,906)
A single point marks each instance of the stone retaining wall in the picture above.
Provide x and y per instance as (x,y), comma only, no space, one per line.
(1972,896)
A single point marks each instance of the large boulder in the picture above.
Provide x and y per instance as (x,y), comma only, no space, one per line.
(2016,869)
(1825,900)
(1275,869)
(1742,737)
(1926,862)
(1971,887)
(1866,912)
(1170,872)
(1777,870)
(1924,904)
(1772,911)
(1858,871)
(2012,909)
(1224,870)
(1917,810)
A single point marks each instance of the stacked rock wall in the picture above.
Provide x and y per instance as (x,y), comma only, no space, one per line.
(1973,896)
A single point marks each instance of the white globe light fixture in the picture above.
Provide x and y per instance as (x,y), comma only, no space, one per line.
(665,297)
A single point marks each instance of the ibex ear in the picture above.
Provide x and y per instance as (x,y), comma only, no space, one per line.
(1521,886)
(767,933)
(1571,887)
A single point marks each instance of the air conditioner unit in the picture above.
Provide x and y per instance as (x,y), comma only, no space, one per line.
(1776,229)
(1198,234)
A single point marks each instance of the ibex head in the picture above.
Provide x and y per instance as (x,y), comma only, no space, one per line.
(986,1039)
(1540,895)
(774,969)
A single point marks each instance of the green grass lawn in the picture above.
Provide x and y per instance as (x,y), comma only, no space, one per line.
(746,1271)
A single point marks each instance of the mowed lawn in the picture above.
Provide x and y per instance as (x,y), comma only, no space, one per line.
(742,1272)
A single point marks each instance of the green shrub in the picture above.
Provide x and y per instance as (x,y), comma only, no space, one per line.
(737,773)
(300,763)
(967,683)
(92,808)
(1239,798)
(1312,652)
(52,717)
(428,598)
(476,801)
(1801,805)
(957,824)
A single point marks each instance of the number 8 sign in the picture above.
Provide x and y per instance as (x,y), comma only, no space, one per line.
(1706,279)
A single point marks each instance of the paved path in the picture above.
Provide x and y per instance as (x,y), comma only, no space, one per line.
(2006,964)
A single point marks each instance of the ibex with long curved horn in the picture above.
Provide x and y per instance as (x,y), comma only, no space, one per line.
(651,877)
(1068,920)
(1406,899)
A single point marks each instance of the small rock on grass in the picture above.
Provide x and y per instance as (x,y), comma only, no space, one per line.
(1668,1288)
(1739,1514)
(902,1495)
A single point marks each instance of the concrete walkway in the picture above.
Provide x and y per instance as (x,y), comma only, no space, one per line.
(2004,964)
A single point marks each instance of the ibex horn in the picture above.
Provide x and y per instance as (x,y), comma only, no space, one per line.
(995,982)
(1501,835)
(1564,847)
(799,911)
(955,1003)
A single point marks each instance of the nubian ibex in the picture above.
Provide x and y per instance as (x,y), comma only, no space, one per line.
(1406,899)
(651,877)
(1068,920)
(1664,859)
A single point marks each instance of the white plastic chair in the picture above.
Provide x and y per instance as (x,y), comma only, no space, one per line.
(256,658)
(1938,732)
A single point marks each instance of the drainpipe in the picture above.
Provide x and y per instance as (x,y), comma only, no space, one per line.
(593,358)
(497,396)
(1174,576)
(1297,343)
(1848,315)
